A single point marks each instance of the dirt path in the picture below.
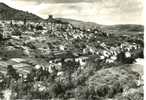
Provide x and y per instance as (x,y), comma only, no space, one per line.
(138,66)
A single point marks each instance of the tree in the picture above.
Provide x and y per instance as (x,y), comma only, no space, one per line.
(121,57)
(11,72)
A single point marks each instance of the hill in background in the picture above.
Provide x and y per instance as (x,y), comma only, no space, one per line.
(114,29)
(8,13)
(80,24)
(124,29)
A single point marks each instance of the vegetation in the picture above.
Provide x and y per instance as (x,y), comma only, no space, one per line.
(63,59)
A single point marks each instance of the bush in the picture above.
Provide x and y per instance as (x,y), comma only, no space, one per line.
(55,90)
(102,91)
(81,93)
(135,96)
(11,72)
(122,59)
(11,54)
(38,27)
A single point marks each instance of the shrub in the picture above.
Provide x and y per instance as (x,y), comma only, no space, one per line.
(12,72)
(55,90)
(102,91)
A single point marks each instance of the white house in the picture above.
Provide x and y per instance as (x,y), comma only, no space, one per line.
(127,54)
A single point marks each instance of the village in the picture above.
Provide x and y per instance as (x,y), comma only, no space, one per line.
(55,51)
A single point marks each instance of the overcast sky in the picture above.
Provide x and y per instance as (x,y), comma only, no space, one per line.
(100,11)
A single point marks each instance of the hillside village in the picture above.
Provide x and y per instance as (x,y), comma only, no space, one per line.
(58,59)
(53,59)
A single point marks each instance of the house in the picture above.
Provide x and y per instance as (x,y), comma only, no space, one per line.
(102,57)
(127,54)
(106,53)
(85,51)
(83,60)
(114,57)
(15,37)
(9,48)
(68,59)
(77,59)
(62,47)
(61,73)
(109,61)
(26,51)
(37,66)
(18,60)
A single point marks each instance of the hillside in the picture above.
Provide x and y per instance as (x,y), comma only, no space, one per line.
(124,29)
(58,61)
(80,24)
(62,62)
(8,13)
(114,29)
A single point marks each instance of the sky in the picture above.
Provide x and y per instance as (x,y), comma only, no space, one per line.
(107,12)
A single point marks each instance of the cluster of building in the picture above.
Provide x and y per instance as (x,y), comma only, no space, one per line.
(52,39)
